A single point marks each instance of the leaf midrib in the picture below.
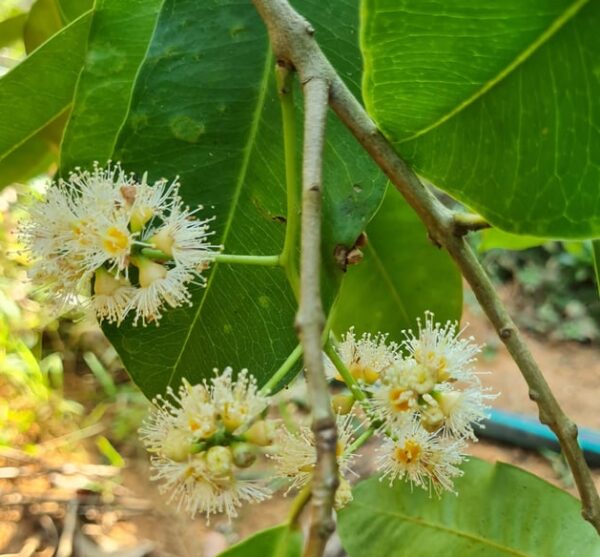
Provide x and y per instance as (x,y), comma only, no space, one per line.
(544,37)
(238,190)
(437,526)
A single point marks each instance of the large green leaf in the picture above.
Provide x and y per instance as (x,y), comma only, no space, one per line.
(500,511)
(196,97)
(495,102)
(280,541)
(37,91)
(402,275)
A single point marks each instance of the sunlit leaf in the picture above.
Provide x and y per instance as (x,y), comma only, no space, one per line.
(499,511)
(495,102)
(280,541)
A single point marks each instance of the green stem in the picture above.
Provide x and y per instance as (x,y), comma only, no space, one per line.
(276,378)
(286,416)
(360,440)
(262,260)
(155,254)
(285,88)
(298,505)
(351,383)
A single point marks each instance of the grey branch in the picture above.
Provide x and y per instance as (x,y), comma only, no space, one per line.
(291,37)
(310,321)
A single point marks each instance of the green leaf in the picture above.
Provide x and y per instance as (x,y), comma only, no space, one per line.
(37,91)
(495,102)
(280,541)
(32,158)
(500,511)
(402,275)
(197,98)
(11,29)
(44,21)
(493,238)
(118,43)
(72,9)
(596,256)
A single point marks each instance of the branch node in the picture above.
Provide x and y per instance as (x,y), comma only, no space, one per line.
(534,395)
(463,223)
(506,332)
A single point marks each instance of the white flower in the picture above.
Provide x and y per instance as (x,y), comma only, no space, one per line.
(441,350)
(102,220)
(394,399)
(196,490)
(194,451)
(184,238)
(159,286)
(456,411)
(365,357)
(238,401)
(422,458)
(112,296)
(295,453)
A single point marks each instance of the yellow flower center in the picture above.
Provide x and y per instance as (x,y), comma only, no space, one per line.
(407,454)
(115,241)
(398,402)
(79,230)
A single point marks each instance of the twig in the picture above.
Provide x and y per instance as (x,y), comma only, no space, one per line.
(65,544)
(30,546)
(310,320)
(288,30)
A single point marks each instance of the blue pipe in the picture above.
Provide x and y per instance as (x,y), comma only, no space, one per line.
(528,432)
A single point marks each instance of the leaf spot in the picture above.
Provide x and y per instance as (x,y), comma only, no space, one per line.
(186,129)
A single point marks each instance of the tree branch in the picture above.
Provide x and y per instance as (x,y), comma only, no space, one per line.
(286,27)
(311,318)
(289,33)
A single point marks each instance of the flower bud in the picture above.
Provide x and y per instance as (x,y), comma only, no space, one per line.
(234,414)
(342,403)
(105,284)
(370,375)
(149,271)
(163,241)
(219,461)
(177,445)
(448,401)
(244,454)
(261,433)
(139,218)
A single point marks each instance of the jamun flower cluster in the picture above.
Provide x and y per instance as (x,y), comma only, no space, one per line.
(422,396)
(118,244)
